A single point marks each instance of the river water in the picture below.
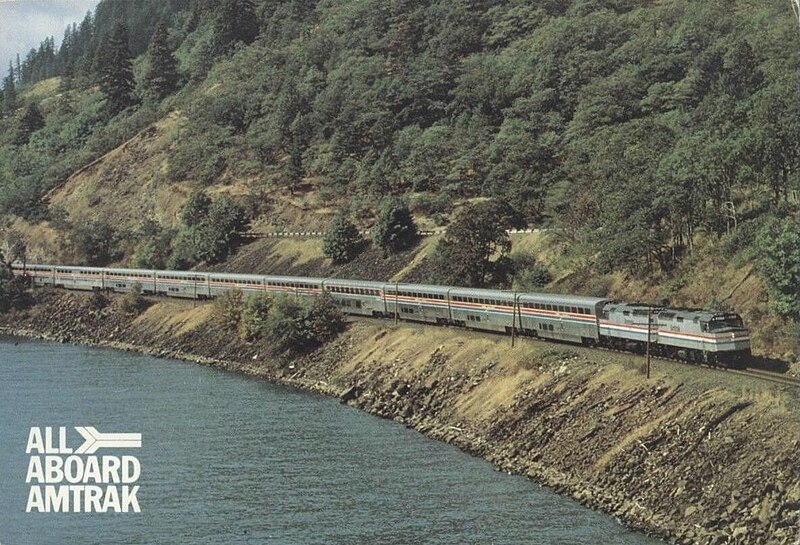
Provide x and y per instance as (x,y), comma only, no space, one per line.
(227,459)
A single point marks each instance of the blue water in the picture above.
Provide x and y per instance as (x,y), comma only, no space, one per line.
(231,460)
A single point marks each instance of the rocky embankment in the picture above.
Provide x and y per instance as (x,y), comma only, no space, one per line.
(689,455)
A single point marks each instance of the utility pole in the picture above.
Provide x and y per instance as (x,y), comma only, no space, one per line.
(396,305)
(648,339)
(513,320)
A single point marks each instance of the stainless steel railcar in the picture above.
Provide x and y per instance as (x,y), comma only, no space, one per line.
(561,317)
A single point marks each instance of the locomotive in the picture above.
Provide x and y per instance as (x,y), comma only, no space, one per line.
(697,336)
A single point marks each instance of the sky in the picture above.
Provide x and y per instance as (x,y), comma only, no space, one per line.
(25,23)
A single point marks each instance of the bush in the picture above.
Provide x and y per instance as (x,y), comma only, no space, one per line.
(96,301)
(285,325)
(132,303)
(341,241)
(295,326)
(529,274)
(325,320)
(228,309)
(253,319)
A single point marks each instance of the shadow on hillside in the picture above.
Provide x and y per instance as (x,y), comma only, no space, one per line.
(768,364)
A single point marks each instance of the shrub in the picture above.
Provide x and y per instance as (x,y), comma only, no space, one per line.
(296,326)
(253,319)
(96,301)
(529,274)
(132,303)
(325,320)
(228,309)
(286,327)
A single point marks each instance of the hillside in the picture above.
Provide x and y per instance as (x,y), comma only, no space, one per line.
(656,143)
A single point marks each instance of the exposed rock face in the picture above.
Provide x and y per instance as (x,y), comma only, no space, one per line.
(686,457)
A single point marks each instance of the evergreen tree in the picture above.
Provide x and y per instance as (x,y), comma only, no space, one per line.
(30,122)
(466,256)
(394,227)
(341,241)
(161,74)
(115,70)
(10,90)
(236,21)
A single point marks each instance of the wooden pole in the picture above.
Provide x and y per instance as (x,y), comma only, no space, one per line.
(648,341)
(396,307)
(513,320)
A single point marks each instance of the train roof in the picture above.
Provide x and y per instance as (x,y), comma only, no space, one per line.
(229,276)
(693,314)
(354,283)
(420,287)
(556,298)
(306,279)
(116,270)
(476,292)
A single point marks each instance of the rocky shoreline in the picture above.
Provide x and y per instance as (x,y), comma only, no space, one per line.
(688,462)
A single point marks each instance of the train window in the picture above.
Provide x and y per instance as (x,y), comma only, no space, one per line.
(573,310)
(679,318)
(626,313)
(550,327)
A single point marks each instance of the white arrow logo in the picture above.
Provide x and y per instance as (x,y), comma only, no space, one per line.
(94,440)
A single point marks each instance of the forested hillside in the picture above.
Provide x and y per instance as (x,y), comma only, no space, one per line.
(640,132)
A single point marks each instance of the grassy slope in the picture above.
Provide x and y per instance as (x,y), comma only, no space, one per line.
(585,422)
(128,184)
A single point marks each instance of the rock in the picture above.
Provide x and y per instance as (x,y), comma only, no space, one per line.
(349,394)
(689,511)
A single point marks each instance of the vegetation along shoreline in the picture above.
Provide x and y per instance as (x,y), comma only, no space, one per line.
(689,456)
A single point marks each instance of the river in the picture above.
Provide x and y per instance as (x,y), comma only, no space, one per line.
(227,459)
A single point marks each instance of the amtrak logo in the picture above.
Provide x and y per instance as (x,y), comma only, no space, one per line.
(74,480)
(94,440)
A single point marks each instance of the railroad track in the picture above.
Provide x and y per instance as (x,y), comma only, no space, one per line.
(769,376)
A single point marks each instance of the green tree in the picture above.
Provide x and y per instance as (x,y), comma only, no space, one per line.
(474,251)
(341,241)
(529,274)
(253,320)
(12,292)
(96,242)
(285,325)
(10,91)
(219,232)
(236,21)
(154,245)
(31,121)
(195,209)
(115,70)
(778,244)
(394,227)
(160,76)
(325,320)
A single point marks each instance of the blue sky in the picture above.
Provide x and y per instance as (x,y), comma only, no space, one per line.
(25,23)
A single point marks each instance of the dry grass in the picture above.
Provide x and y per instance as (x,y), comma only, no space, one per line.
(42,89)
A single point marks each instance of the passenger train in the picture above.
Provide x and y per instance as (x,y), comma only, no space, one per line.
(697,336)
